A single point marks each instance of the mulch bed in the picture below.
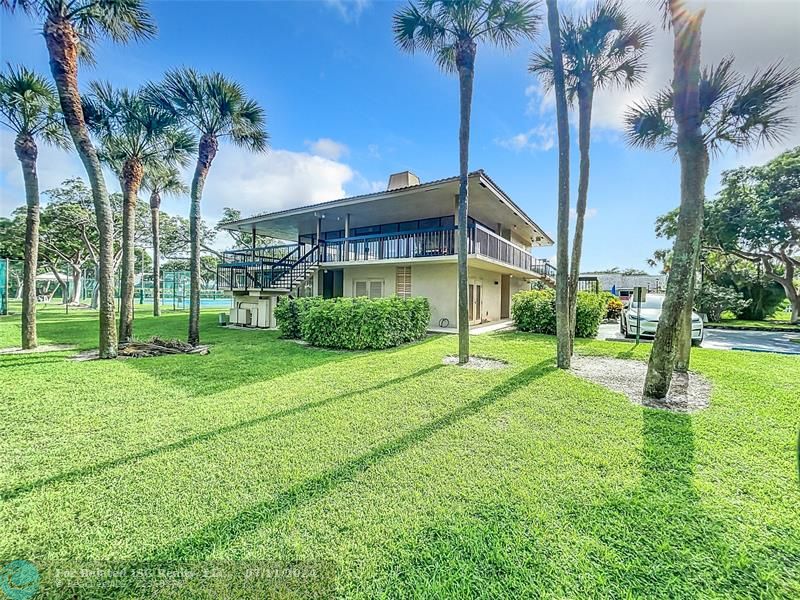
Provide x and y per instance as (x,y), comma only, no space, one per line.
(477,362)
(689,392)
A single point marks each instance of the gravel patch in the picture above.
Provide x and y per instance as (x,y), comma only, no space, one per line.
(38,349)
(477,362)
(687,393)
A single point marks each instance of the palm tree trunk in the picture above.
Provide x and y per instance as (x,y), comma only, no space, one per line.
(131,180)
(465,61)
(563,322)
(694,168)
(155,204)
(585,97)
(684,334)
(62,46)
(26,150)
(206,153)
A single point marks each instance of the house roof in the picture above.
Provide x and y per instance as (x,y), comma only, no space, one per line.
(482,178)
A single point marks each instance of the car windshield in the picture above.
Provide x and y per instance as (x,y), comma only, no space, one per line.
(650,302)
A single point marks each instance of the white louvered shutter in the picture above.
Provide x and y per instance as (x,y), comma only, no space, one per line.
(403,282)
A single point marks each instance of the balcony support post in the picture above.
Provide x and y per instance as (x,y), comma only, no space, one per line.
(346,236)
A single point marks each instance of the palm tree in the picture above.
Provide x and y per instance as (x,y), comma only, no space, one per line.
(563,326)
(70,27)
(721,108)
(217,108)
(160,179)
(29,108)
(450,30)
(134,134)
(602,49)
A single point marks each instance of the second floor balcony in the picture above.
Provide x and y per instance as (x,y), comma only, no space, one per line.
(271,266)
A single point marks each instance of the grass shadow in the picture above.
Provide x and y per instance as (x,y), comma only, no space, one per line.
(218,533)
(186,442)
(672,546)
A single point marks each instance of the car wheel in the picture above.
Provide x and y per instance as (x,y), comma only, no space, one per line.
(696,343)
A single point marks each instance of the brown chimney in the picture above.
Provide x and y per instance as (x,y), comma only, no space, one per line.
(401,180)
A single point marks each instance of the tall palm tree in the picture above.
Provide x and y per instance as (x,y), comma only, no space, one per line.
(29,108)
(563,326)
(450,30)
(158,180)
(134,134)
(217,108)
(70,27)
(604,48)
(698,120)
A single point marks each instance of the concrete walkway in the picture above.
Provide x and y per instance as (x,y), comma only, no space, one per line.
(503,324)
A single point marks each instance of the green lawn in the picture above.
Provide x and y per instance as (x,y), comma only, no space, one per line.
(387,474)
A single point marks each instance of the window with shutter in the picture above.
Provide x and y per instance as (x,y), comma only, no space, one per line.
(403,282)
(372,288)
(375,289)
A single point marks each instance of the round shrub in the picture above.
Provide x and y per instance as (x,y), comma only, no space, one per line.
(589,312)
(535,311)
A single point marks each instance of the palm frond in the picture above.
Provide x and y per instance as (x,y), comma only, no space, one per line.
(120,20)
(163,179)
(214,105)
(129,126)
(541,65)
(747,113)
(29,105)
(603,47)
(508,21)
(650,123)
(437,27)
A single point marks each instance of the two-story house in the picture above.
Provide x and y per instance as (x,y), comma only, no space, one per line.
(400,241)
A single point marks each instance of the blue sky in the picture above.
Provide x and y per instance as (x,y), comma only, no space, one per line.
(346,108)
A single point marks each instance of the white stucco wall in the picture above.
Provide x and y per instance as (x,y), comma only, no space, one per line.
(437,282)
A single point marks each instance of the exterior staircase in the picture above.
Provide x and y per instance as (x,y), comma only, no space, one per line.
(290,271)
(292,274)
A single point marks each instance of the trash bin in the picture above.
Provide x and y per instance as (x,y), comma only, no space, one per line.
(223,319)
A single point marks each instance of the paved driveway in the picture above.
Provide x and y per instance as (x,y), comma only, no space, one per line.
(725,339)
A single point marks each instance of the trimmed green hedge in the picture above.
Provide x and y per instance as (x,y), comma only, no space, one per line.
(354,323)
(535,311)
(289,314)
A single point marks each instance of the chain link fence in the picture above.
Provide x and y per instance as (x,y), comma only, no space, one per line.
(62,284)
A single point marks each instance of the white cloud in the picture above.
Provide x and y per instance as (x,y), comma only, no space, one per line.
(53,166)
(541,137)
(540,102)
(349,10)
(279,179)
(374,151)
(328,148)
(763,32)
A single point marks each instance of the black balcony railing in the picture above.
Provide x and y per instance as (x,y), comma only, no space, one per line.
(280,266)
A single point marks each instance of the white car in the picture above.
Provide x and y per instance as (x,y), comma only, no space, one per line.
(647,318)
